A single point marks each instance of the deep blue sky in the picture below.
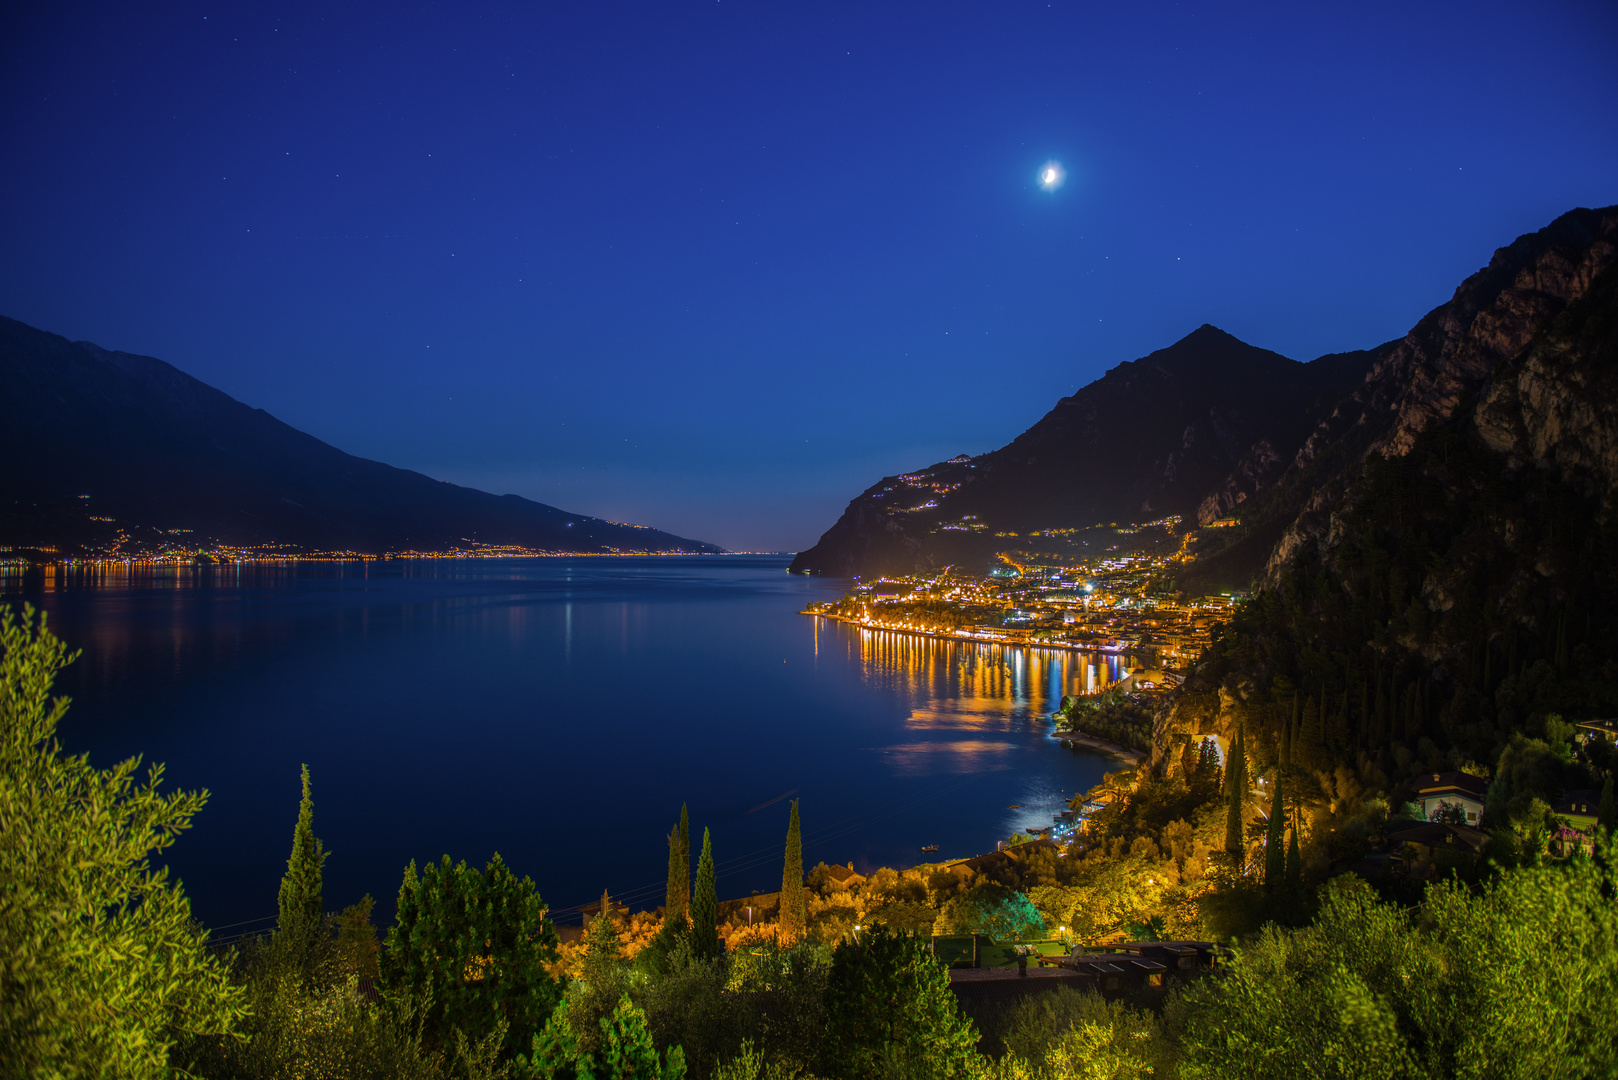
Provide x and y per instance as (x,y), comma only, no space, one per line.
(718,266)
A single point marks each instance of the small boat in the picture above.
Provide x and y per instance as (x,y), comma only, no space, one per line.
(930,849)
(1014,806)
(1035,829)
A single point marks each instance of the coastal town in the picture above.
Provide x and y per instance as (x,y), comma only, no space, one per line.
(1121,600)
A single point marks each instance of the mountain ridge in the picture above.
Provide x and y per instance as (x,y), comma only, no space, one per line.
(152,446)
(1280,454)
(1171,425)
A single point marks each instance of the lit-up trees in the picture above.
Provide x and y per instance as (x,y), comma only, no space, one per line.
(102,969)
(301,926)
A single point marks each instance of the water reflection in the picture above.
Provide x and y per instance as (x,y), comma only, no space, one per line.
(519,706)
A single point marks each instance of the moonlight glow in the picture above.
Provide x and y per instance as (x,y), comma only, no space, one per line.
(1052,175)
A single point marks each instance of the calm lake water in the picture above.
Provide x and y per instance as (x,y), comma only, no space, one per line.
(558,711)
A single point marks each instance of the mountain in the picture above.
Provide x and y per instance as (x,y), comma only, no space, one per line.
(98,442)
(1211,427)
(1418,381)
(1443,592)
(1156,437)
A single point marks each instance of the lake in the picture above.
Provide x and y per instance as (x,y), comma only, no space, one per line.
(556,710)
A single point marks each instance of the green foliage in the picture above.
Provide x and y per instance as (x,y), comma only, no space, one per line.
(479,945)
(677,904)
(305,1027)
(604,979)
(1275,862)
(1606,814)
(356,940)
(1111,716)
(705,906)
(1513,980)
(794,901)
(623,1049)
(994,910)
(889,1007)
(302,912)
(1072,1035)
(689,1004)
(102,970)
(1236,797)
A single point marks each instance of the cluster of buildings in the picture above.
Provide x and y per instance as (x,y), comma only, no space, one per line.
(1110,603)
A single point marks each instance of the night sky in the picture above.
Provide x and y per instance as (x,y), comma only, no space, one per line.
(716,267)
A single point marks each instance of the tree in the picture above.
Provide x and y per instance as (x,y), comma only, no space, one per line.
(1236,798)
(301,924)
(891,1012)
(356,939)
(794,901)
(479,946)
(1369,990)
(625,1050)
(1274,842)
(705,906)
(1001,913)
(676,906)
(102,969)
(1606,815)
(603,949)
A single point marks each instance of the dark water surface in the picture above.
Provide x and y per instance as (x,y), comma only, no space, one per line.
(555,710)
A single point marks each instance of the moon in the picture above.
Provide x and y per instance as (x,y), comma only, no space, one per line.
(1052,175)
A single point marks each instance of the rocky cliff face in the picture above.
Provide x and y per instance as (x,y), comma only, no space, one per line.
(1417,381)
(1152,438)
(1473,560)
(1556,407)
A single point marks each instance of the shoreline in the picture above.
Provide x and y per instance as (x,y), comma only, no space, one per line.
(972,639)
(1117,751)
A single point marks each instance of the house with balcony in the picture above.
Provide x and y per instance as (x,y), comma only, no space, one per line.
(1456,796)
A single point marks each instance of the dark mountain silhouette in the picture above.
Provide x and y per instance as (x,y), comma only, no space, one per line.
(155,449)
(1151,438)
(1211,427)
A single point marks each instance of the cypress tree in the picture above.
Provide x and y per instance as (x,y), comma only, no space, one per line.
(685,857)
(302,910)
(1294,877)
(705,905)
(1306,747)
(1606,815)
(1274,856)
(794,904)
(1235,796)
(677,898)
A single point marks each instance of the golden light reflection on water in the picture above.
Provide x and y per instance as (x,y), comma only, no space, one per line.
(964,694)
